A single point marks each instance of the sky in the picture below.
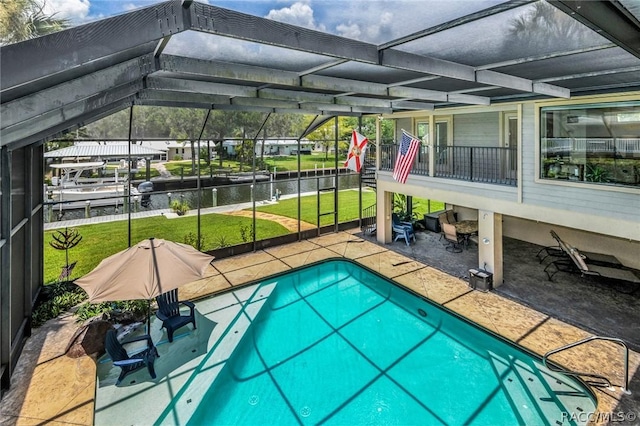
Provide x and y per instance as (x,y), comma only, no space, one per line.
(374,21)
(371,21)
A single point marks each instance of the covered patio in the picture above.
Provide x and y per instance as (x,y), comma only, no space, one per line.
(600,306)
(67,80)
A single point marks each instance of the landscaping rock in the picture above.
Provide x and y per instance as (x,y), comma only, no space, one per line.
(89,339)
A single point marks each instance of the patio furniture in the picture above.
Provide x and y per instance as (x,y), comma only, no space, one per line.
(466,229)
(170,315)
(563,250)
(452,217)
(402,229)
(575,263)
(130,363)
(446,216)
(432,221)
(454,240)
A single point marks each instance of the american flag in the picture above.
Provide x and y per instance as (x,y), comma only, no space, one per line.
(406,154)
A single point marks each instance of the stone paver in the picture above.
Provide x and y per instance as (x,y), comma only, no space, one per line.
(50,388)
(287,222)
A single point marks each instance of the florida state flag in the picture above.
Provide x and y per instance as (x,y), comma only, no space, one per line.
(358,146)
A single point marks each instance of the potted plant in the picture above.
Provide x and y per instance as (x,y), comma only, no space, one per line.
(179,207)
(597,173)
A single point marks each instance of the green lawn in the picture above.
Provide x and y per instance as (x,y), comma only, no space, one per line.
(281,163)
(101,240)
(347,202)
(307,162)
(104,239)
(421,205)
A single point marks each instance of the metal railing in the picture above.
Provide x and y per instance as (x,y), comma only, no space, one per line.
(369,219)
(628,147)
(605,382)
(388,155)
(478,164)
(369,167)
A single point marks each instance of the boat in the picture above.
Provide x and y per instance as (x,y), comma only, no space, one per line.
(72,190)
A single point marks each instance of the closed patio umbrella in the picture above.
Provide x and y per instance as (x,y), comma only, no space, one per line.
(144,271)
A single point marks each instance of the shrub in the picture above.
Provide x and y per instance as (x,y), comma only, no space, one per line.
(55,299)
(123,311)
(246,233)
(180,207)
(222,242)
(192,239)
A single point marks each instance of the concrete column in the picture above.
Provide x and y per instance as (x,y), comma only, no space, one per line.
(490,255)
(383,216)
(432,146)
(378,144)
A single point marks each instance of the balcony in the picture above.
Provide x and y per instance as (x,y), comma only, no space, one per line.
(494,165)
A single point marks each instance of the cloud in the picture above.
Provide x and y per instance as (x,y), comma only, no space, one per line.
(379,21)
(349,30)
(299,13)
(75,11)
(130,6)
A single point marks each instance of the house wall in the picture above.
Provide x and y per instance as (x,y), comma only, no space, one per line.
(275,148)
(481,129)
(603,219)
(403,123)
(570,203)
(625,250)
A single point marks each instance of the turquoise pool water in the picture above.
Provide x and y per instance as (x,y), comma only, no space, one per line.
(337,344)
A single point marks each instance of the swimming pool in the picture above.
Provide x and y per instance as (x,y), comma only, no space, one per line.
(335,343)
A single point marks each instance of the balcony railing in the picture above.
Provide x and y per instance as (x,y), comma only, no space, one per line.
(476,164)
(479,164)
(388,154)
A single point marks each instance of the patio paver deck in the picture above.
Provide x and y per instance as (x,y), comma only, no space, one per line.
(49,387)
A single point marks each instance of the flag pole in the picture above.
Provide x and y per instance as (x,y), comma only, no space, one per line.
(360,182)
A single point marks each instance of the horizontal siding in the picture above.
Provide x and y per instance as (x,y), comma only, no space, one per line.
(403,124)
(586,207)
(608,204)
(425,186)
(476,129)
(587,199)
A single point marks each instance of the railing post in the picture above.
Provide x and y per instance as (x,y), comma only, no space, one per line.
(432,159)
(471,164)
(620,342)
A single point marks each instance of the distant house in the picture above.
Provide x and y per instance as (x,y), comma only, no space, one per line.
(178,150)
(181,150)
(109,150)
(272,146)
(156,150)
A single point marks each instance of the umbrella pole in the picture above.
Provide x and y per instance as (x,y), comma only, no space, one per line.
(157,273)
(149,317)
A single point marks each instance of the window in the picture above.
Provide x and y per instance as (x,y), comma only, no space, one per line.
(597,144)
(443,139)
(423,131)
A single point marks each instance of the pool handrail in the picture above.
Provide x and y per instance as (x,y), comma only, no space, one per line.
(557,368)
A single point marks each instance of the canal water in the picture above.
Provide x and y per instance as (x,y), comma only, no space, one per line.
(214,196)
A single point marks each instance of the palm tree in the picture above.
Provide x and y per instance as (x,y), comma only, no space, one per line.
(25,19)
(544,25)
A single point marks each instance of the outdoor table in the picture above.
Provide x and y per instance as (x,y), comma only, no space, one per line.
(466,228)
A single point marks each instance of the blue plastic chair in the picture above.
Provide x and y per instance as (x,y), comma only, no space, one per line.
(130,363)
(402,229)
(170,315)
